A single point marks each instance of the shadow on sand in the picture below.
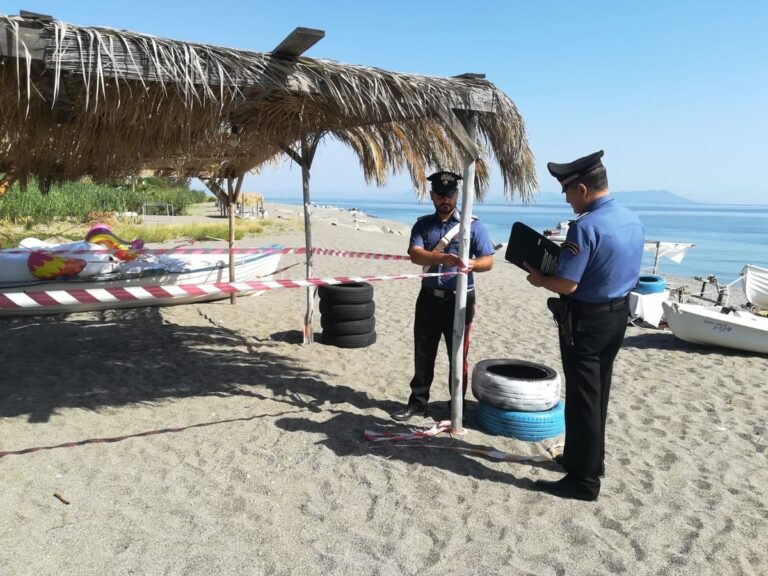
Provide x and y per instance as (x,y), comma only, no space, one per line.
(117,358)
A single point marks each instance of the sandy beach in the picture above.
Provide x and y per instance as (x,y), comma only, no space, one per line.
(205,439)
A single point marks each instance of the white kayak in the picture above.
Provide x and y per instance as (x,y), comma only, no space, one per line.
(161,282)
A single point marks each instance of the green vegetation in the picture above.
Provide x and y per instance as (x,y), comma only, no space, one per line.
(74,201)
(68,211)
(11,235)
(153,233)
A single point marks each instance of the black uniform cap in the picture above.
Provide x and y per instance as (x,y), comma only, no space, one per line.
(444,183)
(566,173)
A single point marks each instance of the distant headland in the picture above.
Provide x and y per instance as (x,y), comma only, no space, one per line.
(629,197)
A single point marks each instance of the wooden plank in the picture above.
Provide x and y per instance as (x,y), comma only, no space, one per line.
(471,76)
(298,42)
(35,16)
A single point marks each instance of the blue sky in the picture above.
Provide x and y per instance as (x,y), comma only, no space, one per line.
(675,92)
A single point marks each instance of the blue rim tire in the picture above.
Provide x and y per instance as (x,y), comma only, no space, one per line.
(651,284)
(526,426)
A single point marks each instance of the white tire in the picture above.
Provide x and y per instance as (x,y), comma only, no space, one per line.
(516,385)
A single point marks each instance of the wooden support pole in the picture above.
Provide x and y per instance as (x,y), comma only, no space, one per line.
(460,310)
(308,147)
(234,183)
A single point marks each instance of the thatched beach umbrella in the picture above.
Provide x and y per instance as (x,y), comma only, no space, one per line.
(78,101)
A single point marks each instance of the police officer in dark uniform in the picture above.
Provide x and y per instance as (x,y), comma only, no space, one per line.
(434,245)
(599,264)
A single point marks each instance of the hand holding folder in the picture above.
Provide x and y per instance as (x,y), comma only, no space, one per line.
(527,245)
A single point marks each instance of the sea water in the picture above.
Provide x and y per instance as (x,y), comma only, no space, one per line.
(726,237)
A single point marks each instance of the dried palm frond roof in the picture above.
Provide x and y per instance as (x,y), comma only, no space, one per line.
(78,101)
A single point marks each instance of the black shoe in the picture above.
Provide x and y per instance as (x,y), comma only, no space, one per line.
(567,488)
(561,462)
(409,412)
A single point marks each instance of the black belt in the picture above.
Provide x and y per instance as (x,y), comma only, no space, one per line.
(443,293)
(597,307)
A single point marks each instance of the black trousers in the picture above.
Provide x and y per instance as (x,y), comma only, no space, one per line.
(434,320)
(588,366)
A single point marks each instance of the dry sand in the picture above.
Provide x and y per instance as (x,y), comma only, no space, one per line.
(204,439)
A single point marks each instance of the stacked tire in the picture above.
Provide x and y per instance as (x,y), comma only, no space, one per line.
(519,399)
(347,315)
(650,284)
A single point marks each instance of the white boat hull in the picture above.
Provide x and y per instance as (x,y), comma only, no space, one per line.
(739,330)
(756,285)
(202,269)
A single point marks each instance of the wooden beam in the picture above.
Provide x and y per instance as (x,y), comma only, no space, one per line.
(298,42)
(474,99)
(32,38)
(292,154)
(461,134)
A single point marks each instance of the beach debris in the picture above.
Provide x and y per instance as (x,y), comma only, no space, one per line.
(373,436)
(58,496)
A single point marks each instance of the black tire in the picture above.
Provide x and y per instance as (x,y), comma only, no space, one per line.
(349,340)
(352,327)
(354,293)
(516,385)
(347,312)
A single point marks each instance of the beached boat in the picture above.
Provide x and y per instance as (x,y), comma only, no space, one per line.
(717,326)
(134,281)
(756,285)
(674,251)
(558,233)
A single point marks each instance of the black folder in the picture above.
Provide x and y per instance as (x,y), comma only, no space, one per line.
(527,245)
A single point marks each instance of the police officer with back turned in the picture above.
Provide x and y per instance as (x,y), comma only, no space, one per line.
(599,264)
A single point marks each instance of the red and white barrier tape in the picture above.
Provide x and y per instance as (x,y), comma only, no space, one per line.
(34,299)
(203,250)
(373,436)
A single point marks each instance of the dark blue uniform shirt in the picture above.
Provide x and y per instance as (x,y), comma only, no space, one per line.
(602,252)
(428,230)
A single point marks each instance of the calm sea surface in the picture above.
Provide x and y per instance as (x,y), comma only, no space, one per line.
(726,236)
